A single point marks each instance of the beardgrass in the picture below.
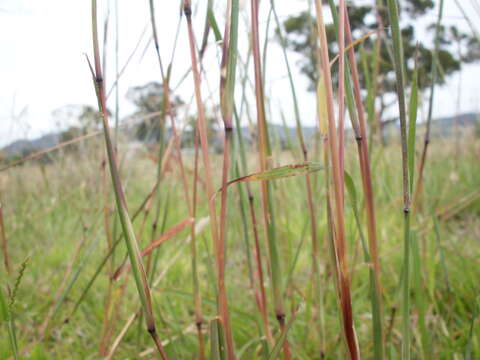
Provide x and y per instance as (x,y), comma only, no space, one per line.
(252,287)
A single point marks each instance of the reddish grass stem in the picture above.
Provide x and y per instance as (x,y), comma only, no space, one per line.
(338,209)
(264,153)
(4,243)
(202,129)
(365,169)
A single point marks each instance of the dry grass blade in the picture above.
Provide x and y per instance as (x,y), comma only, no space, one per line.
(352,44)
(167,235)
(365,169)
(338,185)
(120,336)
(157,242)
(280,172)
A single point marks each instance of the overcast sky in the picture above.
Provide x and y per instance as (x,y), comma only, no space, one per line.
(43,66)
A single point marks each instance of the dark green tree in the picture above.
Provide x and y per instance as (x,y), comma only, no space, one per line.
(300,36)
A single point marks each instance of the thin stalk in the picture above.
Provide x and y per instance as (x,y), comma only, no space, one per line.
(341,90)
(227,91)
(206,29)
(420,298)
(365,169)
(217,339)
(7,318)
(265,45)
(168,108)
(267,201)
(166,112)
(471,333)
(4,243)
(252,275)
(197,298)
(152,261)
(359,126)
(299,135)
(467,19)
(433,79)
(127,62)
(107,328)
(304,149)
(400,84)
(375,120)
(120,336)
(129,234)
(338,218)
(202,129)
(349,95)
(105,43)
(457,132)
(263,305)
(117,73)
(330,233)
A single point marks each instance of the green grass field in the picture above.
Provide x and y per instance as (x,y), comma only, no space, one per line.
(53,217)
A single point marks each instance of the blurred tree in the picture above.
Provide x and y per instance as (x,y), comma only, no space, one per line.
(86,118)
(149,98)
(213,131)
(76,120)
(89,118)
(300,36)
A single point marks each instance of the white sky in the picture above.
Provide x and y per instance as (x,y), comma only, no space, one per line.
(43,66)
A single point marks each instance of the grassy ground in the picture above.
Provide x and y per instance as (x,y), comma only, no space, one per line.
(54,216)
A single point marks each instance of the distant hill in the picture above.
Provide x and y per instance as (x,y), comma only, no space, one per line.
(443,127)
(25,147)
(446,126)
